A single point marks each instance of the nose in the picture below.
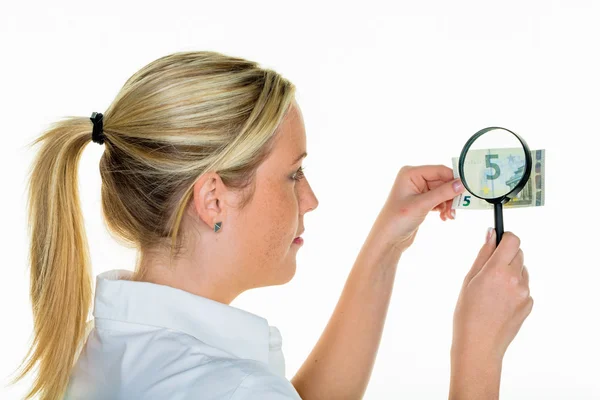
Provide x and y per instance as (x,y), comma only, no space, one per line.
(308,198)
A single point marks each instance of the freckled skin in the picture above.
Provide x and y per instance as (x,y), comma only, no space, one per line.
(274,218)
(254,246)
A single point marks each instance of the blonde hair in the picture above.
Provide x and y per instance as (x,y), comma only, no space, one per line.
(175,119)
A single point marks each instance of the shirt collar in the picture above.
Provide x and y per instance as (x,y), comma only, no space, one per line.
(238,332)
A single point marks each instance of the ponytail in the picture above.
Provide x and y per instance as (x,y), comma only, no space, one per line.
(60,280)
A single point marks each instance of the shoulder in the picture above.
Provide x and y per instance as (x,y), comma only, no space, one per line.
(201,369)
(222,379)
(162,364)
(264,385)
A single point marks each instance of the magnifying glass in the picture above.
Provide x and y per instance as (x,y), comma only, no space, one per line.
(495,165)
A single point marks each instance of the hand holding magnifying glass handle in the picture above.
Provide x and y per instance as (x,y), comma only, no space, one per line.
(493,304)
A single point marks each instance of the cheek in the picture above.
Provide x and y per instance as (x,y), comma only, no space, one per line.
(281,216)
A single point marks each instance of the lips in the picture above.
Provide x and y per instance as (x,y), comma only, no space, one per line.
(298,239)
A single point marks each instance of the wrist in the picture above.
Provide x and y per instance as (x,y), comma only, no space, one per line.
(387,231)
(474,376)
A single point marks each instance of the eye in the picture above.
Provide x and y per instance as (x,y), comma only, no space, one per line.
(299,174)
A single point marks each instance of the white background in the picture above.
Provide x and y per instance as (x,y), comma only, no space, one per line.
(381,85)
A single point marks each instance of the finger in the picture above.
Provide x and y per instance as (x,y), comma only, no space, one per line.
(507,249)
(517,262)
(484,255)
(518,258)
(528,307)
(443,209)
(434,184)
(524,311)
(441,194)
(446,210)
(440,207)
(525,275)
(434,172)
(451,211)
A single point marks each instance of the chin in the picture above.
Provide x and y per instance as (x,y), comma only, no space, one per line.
(292,274)
(287,274)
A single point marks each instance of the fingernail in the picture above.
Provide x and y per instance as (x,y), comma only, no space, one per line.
(453,213)
(488,236)
(458,186)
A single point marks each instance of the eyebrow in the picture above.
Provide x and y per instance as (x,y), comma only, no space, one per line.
(300,158)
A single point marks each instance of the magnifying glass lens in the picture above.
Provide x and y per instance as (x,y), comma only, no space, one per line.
(494,164)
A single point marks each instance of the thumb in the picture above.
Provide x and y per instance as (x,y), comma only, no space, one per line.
(440,194)
(484,255)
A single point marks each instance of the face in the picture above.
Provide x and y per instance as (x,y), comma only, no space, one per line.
(269,224)
(254,247)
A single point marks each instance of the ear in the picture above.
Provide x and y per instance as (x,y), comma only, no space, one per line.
(208,199)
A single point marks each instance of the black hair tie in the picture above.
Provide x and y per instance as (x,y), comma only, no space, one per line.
(97,133)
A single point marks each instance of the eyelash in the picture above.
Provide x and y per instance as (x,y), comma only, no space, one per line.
(301,172)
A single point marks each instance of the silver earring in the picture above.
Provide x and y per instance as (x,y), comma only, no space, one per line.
(218,226)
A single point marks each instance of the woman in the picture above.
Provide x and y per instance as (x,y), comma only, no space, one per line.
(202,174)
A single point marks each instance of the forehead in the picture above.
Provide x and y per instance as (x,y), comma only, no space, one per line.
(291,136)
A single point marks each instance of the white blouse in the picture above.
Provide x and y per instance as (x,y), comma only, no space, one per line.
(153,341)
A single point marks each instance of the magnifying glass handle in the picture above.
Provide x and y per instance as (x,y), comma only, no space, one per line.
(499,222)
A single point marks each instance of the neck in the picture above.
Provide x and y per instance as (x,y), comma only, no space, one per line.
(198,273)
